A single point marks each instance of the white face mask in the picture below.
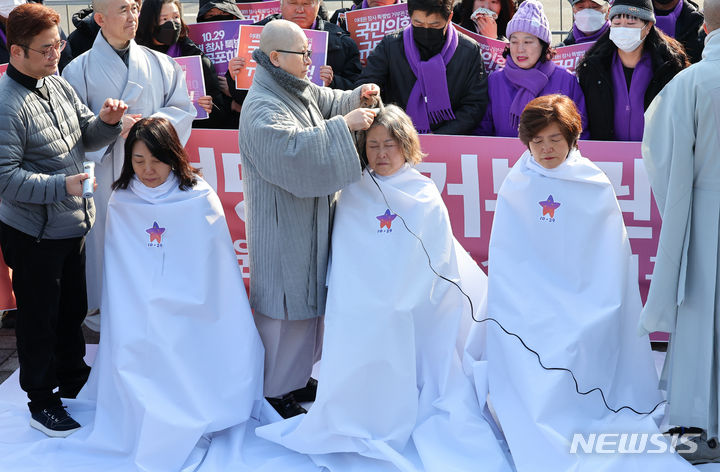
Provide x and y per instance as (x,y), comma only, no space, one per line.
(589,20)
(626,39)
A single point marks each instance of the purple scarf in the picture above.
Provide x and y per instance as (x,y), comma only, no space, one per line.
(174,50)
(630,106)
(429,98)
(581,37)
(667,22)
(4,38)
(529,82)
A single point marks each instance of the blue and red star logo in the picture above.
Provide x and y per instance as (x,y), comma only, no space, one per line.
(155,233)
(386,219)
(549,206)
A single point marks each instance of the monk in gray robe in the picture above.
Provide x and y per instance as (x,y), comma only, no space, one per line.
(680,152)
(298,150)
(151,84)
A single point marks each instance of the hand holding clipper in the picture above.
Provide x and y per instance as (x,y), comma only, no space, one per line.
(89,183)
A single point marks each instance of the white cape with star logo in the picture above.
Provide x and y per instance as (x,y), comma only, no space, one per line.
(391,394)
(567,286)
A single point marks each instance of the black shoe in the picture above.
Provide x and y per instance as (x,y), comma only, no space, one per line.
(54,421)
(287,406)
(307,393)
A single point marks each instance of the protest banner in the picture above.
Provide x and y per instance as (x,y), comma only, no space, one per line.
(491,49)
(3,69)
(250,40)
(368,26)
(256,11)
(569,56)
(218,40)
(468,171)
(192,67)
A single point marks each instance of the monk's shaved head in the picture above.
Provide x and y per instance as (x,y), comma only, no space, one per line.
(712,14)
(281,34)
(100,5)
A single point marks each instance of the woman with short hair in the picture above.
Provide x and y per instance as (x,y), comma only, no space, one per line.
(625,69)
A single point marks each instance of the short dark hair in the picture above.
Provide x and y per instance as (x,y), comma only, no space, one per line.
(443,7)
(543,111)
(162,141)
(27,21)
(148,21)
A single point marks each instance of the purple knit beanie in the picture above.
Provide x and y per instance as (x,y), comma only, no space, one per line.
(530,18)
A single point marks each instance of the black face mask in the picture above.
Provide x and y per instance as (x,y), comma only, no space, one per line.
(168,33)
(430,41)
(217,18)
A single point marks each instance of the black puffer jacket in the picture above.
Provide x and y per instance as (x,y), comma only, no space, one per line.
(86,30)
(595,75)
(388,67)
(687,30)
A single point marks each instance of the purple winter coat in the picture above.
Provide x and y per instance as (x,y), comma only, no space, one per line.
(496,121)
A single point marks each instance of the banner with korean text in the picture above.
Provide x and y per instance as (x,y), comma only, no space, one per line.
(250,40)
(368,26)
(256,11)
(218,40)
(468,170)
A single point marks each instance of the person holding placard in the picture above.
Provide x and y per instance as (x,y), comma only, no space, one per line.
(625,69)
(431,70)
(150,82)
(529,72)
(298,150)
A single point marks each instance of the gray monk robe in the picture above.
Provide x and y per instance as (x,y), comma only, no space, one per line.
(297,153)
(151,84)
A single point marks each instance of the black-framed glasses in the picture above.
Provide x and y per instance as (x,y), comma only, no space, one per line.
(48,51)
(305,54)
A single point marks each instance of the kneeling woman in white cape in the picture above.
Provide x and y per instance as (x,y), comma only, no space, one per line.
(179,357)
(391,392)
(561,277)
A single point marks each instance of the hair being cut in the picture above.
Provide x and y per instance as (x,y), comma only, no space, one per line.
(401,128)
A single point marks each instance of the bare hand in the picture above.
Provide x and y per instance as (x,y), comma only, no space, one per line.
(74,184)
(235,106)
(112,111)
(206,103)
(235,66)
(128,122)
(370,94)
(360,118)
(326,74)
(486,26)
(222,82)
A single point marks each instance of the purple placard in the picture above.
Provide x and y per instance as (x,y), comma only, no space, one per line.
(256,11)
(218,40)
(250,40)
(492,49)
(192,66)
(569,56)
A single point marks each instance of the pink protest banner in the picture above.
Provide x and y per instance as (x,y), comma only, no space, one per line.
(192,66)
(218,40)
(250,40)
(491,49)
(3,69)
(256,11)
(468,170)
(368,26)
(7,298)
(569,56)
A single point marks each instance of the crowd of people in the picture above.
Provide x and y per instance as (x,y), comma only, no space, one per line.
(352,258)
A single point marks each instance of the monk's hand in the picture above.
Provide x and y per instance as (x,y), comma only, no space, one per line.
(370,94)
(326,74)
(112,111)
(236,65)
(206,103)
(74,184)
(128,122)
(360,118)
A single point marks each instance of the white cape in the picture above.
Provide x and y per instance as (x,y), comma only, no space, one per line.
(179,359)
(392,395)
(561,277)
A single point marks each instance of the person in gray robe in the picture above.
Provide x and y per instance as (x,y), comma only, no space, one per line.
(680,152)
(297,150)
(149,82)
